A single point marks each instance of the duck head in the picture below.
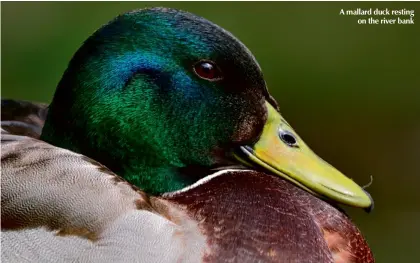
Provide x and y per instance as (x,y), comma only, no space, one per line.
(160,95)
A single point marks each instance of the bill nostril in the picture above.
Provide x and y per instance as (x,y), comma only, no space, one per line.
(288,138)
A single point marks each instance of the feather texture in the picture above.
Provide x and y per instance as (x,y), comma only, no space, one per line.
(60,206)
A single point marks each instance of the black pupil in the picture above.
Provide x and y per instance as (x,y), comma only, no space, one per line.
(288,138)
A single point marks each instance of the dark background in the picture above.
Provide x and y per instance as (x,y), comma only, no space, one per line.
(351,91)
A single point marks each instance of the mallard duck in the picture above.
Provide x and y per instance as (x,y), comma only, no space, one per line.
(163,144)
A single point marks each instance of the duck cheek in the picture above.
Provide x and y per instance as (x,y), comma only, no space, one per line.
(249,127)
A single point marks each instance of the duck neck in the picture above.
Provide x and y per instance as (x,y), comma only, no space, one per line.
(148,171)
(155,179)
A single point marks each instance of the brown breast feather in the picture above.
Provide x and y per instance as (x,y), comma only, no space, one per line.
(254,217)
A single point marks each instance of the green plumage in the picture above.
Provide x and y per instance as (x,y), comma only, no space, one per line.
(131,100)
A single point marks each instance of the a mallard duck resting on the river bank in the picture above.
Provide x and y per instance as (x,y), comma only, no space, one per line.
(177,107)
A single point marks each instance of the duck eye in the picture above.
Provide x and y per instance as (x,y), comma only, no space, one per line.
(288,138)
(207,70)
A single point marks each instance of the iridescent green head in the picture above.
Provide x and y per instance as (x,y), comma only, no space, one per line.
(158,90)
(159,96)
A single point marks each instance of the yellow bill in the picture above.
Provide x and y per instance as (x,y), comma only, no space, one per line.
(283,152)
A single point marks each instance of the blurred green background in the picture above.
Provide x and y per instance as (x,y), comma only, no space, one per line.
(351,91)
